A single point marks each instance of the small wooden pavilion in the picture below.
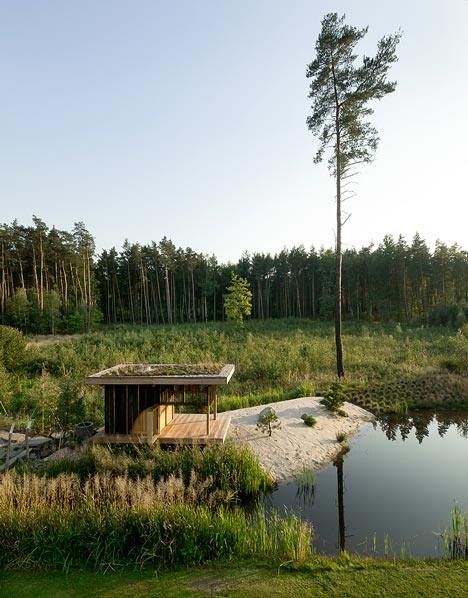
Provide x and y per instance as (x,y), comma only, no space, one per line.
(140,402)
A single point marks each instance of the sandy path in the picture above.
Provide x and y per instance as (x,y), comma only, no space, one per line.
(295,444)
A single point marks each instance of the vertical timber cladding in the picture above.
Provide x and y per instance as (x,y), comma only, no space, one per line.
(124,402)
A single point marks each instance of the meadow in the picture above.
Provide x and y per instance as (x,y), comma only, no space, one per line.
(111,508)
(275,359)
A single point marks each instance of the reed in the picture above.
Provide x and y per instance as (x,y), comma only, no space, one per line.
(28,492)
(111,521)
(305,485)
(229,468)
(455,538)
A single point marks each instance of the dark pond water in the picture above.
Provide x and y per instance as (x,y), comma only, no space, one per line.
(392,491)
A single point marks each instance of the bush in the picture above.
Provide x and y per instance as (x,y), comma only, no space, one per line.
(309,420)
(449,315)
(70,404)
(334,398)
(12,347)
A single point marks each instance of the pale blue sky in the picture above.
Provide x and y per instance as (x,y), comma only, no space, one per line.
(187,119)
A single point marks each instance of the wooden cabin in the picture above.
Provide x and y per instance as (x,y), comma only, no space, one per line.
(141,401)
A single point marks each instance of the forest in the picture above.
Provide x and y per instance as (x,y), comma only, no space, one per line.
(54,281)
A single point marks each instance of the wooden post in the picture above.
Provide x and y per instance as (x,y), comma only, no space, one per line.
(26,439)
(215,402)
(149,425)
(10,434)
(208,411)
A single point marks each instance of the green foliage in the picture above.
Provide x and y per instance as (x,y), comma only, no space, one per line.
(341,92)
(269,421)
(5,389)
(309,420)
(429,390)
(18,307)
(12,348)
(454,315)
(70,404)
(271,364)
(160,283)
(238,300)
(455,538)
(97,535)
(333,399)
(52,309)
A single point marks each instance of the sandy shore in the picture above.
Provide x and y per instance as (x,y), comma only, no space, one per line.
(295,445)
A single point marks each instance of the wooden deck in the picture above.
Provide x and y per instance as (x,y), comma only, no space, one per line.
(190,428)
(185,428)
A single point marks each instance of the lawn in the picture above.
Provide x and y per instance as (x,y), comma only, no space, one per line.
(325,577)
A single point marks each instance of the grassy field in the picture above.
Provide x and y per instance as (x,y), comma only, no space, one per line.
(274,360)
(388,367)
(324,577)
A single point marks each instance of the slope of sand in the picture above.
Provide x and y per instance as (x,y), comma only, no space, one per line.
(295,445)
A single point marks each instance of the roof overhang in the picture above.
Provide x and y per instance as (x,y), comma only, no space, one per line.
(116,375)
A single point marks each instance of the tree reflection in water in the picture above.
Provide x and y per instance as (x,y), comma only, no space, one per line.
(338,463)
(392,424)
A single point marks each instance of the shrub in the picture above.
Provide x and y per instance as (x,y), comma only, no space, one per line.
(70,404)
(309,420)
(268,421)
(332,403)
(457,366)
(12,347)
(334,398)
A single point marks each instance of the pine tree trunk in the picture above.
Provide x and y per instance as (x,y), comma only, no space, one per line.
(41,274)
(168,296)
(130,292)
(193,297)
(338,257)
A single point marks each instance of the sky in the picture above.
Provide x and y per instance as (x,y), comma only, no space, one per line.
(187,119)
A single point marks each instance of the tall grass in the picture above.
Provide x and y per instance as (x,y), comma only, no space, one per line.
(27,492)
(62,522)
(230,469)
(455,538)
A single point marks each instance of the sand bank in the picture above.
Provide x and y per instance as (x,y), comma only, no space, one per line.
(295,445)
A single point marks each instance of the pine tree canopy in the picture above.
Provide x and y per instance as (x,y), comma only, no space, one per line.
(341,91)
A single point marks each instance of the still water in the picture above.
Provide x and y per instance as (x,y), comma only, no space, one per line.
(392,491)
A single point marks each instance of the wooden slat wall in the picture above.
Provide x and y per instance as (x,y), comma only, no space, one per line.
(123,403)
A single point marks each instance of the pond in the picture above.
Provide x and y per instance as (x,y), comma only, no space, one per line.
(392,492)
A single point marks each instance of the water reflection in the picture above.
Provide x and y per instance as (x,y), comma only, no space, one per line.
(385,494)
(421,421)
(338,463)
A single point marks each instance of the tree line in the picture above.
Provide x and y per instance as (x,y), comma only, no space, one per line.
(53,281)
